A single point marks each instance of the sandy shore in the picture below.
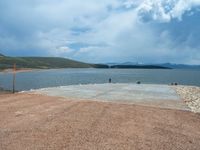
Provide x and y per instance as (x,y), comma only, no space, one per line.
(18,70)
(191,96)
(30,121)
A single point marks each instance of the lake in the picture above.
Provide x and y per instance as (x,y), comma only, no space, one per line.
(63,77)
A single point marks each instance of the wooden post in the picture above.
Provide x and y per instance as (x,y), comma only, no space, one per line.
(14,76)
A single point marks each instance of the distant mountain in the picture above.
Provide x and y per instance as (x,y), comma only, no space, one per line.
(130,63)
(112,63)
(124,63)
(139,67)
(180,66)
(44,63)
(136,65)
(57,62)
(164,65)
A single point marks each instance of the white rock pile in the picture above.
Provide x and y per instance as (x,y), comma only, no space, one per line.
(191,96)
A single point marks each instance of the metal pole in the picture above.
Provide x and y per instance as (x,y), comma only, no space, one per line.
(14,76)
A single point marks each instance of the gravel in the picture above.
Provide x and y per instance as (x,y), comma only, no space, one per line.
(37,122)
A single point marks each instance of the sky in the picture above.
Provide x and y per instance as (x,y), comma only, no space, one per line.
(102,31)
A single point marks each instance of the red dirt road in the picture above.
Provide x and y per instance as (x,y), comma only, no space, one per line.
(32,122)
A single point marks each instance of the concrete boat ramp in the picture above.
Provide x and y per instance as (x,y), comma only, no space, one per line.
(162,96)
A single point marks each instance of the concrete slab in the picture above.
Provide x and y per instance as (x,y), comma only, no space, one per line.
(144,94)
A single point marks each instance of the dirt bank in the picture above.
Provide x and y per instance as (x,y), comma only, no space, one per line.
(40,122)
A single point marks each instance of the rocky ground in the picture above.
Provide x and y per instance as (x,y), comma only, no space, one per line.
(191,96)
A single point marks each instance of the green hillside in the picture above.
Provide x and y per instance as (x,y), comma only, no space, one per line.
(44,63)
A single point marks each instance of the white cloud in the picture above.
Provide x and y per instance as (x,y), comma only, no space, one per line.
(165,10)
(182,6)
(115,30)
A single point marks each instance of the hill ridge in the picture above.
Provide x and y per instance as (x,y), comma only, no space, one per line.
(44,63)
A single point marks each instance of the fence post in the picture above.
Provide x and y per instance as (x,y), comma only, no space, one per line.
(14,76)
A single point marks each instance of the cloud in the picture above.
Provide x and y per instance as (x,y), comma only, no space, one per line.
(148,31)
(165,10)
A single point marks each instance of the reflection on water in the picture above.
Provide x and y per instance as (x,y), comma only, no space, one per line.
(62,77)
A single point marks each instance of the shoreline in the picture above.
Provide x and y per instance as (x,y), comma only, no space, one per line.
(189,94)
(35,69)
(18,70)
(163,96)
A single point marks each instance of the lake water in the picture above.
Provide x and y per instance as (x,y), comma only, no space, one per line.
(63,77)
